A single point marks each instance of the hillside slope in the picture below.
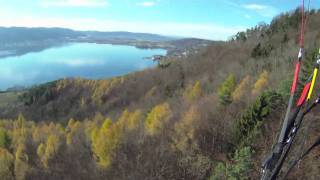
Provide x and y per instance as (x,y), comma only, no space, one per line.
(212,115)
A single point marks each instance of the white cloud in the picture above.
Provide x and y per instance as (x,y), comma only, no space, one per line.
(74,3)
(206,31)
(247,16)
(147,4)
(77,62)
(262,10)
(10,77)
(255,6)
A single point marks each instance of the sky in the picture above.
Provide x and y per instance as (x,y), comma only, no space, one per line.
(208,19)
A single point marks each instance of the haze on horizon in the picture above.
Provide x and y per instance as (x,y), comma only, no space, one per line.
(207,19)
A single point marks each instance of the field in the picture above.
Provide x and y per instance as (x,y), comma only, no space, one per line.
(7,98)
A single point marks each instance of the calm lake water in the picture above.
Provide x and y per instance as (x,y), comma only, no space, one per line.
(93,61)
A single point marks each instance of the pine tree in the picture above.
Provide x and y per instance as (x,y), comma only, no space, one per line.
(240,168)
(243,164)
(226,89)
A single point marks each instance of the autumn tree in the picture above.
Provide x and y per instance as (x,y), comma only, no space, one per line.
(261,83)
(19,133)
(74,130)
(193,91)
(4,139)
(134,120)
(185,141)
(185,129)
(157,118)
(47,151)
(6,165)
(104,143)
(21,166)
(241,88)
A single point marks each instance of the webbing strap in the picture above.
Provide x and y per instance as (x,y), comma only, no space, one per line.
(302,26)
(295,78)
(306,90)
(315,73)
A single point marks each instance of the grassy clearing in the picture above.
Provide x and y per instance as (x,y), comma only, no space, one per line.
(7,98)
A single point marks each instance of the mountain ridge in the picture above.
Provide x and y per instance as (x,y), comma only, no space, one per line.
(21,40)
(74,33)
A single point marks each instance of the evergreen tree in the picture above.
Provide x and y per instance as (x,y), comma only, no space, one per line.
(226,89)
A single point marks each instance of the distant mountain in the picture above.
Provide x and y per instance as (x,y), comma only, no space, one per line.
(22,34)
(21,40)
(127,35)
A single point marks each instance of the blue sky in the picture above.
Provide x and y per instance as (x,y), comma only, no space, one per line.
(210,19)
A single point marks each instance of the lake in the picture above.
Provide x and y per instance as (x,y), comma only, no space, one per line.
(86,60)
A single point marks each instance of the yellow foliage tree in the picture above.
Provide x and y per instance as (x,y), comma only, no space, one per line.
(20,123)
(260,83)
(106,139)
(157,118)
(20,132)
(123,119)
(184,129)
(4,139)
(71,134)
(241,88)
(194,91)
(6,165)
(134,120)
(21,162)
(48,151)
(41,150)
(21,153)
(104,142)
(106,125)
(52,146)
(71,123)
(36,134)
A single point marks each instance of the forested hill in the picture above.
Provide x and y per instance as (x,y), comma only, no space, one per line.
(212,115)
